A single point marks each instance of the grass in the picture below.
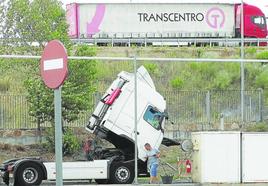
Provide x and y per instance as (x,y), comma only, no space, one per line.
(14,73)
(258,127)
(167,76)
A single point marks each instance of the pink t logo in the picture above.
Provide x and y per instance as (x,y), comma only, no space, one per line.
(215,18)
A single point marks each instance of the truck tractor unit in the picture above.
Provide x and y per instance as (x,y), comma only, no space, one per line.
(112,120)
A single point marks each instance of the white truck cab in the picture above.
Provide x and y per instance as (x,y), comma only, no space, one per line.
(112,120)
(114,114)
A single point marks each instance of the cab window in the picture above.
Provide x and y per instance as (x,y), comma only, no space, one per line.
(259,20)
(153,117)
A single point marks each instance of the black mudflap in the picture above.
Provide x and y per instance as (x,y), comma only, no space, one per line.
(170,142)
(6,178)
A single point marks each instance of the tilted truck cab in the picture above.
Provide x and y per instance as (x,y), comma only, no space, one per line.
(112,120)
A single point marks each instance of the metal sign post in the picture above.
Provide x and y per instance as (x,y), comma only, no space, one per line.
(242,67)
(58,135)
(54,71)
(242,71)
(135,120)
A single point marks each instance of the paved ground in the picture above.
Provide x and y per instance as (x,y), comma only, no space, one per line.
(87,183)
(176,184)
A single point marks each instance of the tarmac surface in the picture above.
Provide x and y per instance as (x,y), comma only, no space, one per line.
(175,183)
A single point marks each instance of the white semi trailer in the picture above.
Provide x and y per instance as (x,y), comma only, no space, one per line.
(164,19)
(113,120)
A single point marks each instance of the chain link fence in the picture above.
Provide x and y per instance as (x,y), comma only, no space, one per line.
(207,106)
(199,110)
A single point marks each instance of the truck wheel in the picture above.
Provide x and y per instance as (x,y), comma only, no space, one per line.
(102,181)
(122,173)
(29,174)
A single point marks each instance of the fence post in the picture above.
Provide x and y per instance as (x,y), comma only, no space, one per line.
(260,104)
(249,115)
(1,114)
(38,119)
(222,121)
(208,107)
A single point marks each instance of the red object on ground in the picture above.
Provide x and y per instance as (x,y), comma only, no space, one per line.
(87,146)
(188,166)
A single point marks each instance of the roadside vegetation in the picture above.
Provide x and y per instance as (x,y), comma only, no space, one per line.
(26,27)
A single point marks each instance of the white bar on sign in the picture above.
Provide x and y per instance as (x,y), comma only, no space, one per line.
(53,64)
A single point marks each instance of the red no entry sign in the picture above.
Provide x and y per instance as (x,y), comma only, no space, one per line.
(53,64)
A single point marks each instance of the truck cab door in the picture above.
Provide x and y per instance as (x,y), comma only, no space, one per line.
(255,26)
(150,129)
(259,29)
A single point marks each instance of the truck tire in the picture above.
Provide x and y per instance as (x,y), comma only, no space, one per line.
(28,174)
(102,181)
(121,173)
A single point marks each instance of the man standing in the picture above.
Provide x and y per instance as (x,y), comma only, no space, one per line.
(152,156)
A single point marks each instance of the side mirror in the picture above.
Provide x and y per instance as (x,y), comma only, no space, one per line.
(165,115)
(187,145)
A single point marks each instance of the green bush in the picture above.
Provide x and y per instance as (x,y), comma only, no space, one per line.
(177,83)
(222,80)
(50,139)
(252,70)
(262,79)
(259,127)
(262,55)
(152,68)
(250,51)
(70,142)
(199,52)
(4,85)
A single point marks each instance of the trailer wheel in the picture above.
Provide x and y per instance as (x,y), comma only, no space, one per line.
(122,173)
(29,174)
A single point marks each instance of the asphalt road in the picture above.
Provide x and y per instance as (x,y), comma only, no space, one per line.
(87,183)
(84,183)
(90,184)
(177,184)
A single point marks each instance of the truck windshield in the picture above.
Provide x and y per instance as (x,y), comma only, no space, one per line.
(259,21)
(153,117)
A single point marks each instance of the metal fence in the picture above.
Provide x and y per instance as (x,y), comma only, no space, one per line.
(14,112)
(193,108)
(206,107)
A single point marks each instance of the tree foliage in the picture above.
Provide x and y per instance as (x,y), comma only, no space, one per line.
(76,91)
(262,55)
(29,24)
